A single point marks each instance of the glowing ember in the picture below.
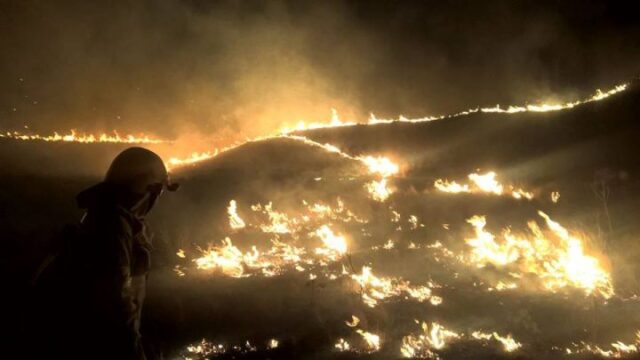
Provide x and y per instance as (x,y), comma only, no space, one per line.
(273,344)
(205,348)
(342,345)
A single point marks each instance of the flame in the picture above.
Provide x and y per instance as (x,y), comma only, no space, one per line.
(487,182)
(380,165)
(235,221)
(372,340)
(231,261)
(501,286)
(334,245)
(342,345)
(557,258)
(599,95)
(279,223)
(481,183)
(354,321)
(509,344)
(422,345)
(206,348)
(195,157)
(618,349)
(226,257)
(378,190)
(555,197)
(303,126)
(451,187)
(74,136)
(375,289)
(437,337)
(540,107)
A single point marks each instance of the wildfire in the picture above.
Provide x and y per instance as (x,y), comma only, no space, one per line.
(437,337)
(311,223)
(422,345)
(273,344)
(378,190)
(194,158)
(481,183)
(451,187)
(599,95)
(618,349)
(226,257)
(556,257)
(372,340)
(375,289)
(509,344)
(354,321)
(206,349)
(540,107)
(279,223)
(232,262)
(235,221)
(334,245)
(380,165)
(74,136)
(342,345)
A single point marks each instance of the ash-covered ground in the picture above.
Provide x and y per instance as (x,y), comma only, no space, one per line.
(285,248)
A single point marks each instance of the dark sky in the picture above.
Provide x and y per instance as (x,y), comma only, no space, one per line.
(231,68)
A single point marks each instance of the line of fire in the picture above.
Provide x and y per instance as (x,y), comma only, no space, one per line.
(482,232)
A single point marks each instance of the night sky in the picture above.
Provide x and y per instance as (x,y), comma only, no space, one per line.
(232,69)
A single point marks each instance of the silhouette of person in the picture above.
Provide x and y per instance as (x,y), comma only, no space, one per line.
(107,268)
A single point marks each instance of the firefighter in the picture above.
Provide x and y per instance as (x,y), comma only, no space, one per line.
(107,265)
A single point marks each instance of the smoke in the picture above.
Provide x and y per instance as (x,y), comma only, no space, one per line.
(215,73)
